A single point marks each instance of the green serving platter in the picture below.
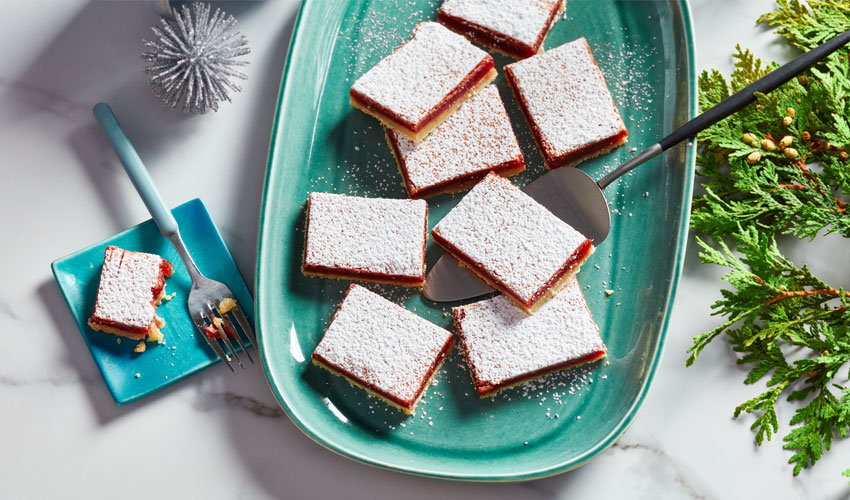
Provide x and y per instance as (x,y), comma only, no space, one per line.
(320,143)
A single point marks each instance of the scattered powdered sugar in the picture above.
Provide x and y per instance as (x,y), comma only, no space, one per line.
(477,137)
(125,292)
(416,78)
(503,343)
(381,343)
(366,234)
(554,389)
(566,98)
(377,33)
(511,236)
(523,20)
(634,68)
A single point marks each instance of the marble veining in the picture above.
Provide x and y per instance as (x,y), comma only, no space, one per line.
(45,100)
(57,381)
(231,400)
(538,489)
(684,486)
(7,311)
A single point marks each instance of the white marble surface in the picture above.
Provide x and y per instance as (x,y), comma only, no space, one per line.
(222,436)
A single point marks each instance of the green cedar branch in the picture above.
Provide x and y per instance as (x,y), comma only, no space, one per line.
(780,167)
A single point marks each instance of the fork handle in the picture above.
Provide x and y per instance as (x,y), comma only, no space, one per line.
(135,169)
(144,185)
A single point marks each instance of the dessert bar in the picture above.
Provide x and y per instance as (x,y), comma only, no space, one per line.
(383,348)
(132,285)
(504,347)
(420,84)
(563,95)
(368,239)
(512,242)
(515,28)
(476,139)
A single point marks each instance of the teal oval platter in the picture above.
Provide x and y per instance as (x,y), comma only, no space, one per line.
(320,143)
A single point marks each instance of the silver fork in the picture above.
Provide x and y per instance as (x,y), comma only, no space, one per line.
(207,302)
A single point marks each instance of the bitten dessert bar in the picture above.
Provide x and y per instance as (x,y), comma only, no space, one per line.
(132,285)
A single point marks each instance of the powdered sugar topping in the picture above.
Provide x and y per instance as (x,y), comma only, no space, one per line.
(503,343)
(372,235)
(523,20)
(509,235)
(416,78)
(566,98)
(477,137)
(125,292)
(382,343)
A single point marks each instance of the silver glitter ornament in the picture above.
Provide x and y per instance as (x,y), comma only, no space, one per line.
(193,58)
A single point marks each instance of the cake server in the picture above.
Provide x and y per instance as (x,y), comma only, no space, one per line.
(578,200)
(208,299)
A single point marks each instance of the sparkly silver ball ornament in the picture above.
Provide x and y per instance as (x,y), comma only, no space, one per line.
(193,58)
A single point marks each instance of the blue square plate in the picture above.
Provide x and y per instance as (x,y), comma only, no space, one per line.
(183,353)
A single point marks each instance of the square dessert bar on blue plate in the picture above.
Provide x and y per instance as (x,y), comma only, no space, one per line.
(130,375)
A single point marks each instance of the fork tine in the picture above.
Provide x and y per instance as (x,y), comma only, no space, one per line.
(243,322)
(214,346)
(230,325)
(223,334)
(224,338)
